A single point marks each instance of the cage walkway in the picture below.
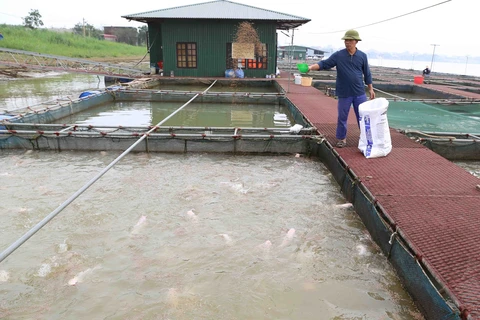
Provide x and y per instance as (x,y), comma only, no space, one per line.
(429,204)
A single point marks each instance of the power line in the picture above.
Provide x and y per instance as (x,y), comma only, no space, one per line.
(11,15)
(389,19)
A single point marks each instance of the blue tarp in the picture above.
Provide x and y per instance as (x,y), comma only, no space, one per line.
(3,117)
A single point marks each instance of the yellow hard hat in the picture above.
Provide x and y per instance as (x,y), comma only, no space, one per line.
(351,35)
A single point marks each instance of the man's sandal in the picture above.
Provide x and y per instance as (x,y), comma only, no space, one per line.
(341,144)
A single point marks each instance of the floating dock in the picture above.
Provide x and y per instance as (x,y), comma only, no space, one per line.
(421,209)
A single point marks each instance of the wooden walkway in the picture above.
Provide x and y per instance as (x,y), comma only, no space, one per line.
(433,202)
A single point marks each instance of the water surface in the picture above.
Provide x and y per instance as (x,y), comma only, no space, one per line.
(185,237)
(192,115)
(17,93)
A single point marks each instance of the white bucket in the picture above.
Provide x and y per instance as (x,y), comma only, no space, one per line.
(298,79)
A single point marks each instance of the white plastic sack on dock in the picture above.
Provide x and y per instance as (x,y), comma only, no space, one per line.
(239,73)
(375,140)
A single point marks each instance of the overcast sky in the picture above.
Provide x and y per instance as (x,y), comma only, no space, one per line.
(451,25)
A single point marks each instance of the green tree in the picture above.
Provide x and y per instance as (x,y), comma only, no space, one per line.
(87,30)
(127,35)
(142,35)
(33,20)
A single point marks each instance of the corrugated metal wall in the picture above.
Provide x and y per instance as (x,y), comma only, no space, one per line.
(211,37)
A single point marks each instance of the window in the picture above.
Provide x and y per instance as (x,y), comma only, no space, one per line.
(186,55)
(260,61)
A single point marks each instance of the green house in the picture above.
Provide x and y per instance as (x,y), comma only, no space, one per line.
(198,40)
(299,53)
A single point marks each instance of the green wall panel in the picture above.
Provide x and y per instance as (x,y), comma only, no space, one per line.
(211,37)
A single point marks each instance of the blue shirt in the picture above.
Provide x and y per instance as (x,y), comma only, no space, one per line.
(352,71)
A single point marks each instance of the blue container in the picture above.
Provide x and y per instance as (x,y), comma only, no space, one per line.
(88,93)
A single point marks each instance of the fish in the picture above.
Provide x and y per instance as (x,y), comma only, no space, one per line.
(80,277)
(192,215)
(265,246)
(288,237)
(344,205)
(139,225)
(62,247)
(362,250)
(23,210)
(227,238)
(4,276)
(237,187)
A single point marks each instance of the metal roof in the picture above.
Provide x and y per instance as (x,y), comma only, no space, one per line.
(221,9)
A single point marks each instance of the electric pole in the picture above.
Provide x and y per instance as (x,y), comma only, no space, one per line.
(433,55)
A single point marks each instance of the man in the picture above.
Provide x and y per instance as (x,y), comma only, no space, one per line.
(426,74)
(353,73)
(426,71)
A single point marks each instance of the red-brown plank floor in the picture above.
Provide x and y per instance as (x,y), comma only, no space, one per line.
(433,201)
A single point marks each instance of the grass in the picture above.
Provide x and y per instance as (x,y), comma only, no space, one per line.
(64,44)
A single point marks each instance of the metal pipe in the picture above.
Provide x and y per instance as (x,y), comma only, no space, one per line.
(474,136)
(55,134)
(80,127)
(14,246)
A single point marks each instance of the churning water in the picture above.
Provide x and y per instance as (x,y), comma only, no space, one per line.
(164,236)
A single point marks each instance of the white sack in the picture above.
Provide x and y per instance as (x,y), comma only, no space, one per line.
(375,138)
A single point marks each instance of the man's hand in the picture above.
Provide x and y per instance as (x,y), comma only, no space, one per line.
(313,67)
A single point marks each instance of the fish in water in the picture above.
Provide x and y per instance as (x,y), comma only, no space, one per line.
(361,249)
(237,186)
(192,215)
(226,237)
(344,205)
(80,277)
(4,276)
(265,246)
(139,225)
(288,237)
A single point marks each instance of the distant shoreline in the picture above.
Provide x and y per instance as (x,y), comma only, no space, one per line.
(10,72)
(405,69)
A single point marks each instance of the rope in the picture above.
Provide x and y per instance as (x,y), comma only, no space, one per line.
(14,246)
(148,51)
(384,92)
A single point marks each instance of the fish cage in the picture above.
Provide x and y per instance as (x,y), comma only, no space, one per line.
(41,127)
